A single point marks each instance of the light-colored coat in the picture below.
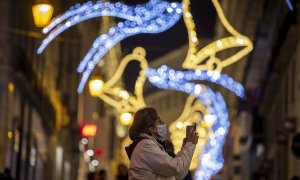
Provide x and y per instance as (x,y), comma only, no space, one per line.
(149,161)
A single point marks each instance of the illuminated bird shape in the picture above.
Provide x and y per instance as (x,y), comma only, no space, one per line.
(117,96)
(153,17)
(196,58)
(216,120)
(124,101)
(204,65)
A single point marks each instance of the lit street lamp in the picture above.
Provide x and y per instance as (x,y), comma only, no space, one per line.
(42,13)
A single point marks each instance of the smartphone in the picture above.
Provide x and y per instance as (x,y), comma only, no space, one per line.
(190,128)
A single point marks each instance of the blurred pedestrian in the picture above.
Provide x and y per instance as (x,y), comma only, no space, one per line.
(122,172)
(148,158)
(103,174)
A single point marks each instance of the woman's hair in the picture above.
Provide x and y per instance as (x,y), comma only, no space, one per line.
(143,120)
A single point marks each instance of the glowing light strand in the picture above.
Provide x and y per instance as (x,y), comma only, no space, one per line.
(192,112)
(195,57)
(154,17)
(123,30)
(89,10)
(118,97)
(289,4)
(165,73)
(211,159)
(132,13)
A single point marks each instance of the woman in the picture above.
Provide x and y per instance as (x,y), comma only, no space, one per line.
(148,157)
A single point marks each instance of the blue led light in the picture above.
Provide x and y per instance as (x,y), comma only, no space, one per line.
(123,30)
(153,17)
(211,160)
(289,4)
(164,73)
(90,10)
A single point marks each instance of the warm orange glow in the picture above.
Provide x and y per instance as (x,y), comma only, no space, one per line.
(89,130)
(9,134)
(42,14)
(11,87)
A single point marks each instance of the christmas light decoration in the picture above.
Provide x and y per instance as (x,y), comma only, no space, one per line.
(193,112)
(204,106)
(119,98)
(195,56)
(126,119)
(185,76)
(289,4)
(91,9)
(154,17)
(211,159)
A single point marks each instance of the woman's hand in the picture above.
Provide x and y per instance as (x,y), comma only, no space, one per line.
(192,137)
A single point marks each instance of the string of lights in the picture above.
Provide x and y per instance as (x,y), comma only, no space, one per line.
(211,159)
(117,96)
(96,9)
(123,30)
(79,13)
(289,4)
(206,66)
(196,57)
(153,17)
(165,72)
(126,102)
(192,112)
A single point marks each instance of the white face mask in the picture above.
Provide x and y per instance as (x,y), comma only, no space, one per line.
(162,130)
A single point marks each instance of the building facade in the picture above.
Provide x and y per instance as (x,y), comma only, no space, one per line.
(272,80)
(38,109)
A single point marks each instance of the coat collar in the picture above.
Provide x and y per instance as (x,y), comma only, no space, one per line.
(152,138)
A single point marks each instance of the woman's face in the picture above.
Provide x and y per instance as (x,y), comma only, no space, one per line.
(153,129)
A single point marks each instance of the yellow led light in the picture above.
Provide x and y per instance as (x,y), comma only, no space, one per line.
(195,57)
(95,86)
(202,132)
(118,97)
(192,112)
(179,125)
(126,119)
(209,119)
(124,94)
